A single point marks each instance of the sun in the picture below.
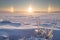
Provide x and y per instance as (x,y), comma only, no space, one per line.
(30,9)
(11,9)
(49,8)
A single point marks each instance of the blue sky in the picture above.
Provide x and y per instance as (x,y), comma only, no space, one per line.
(24,4)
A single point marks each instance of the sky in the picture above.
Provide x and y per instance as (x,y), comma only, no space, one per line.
(22,5)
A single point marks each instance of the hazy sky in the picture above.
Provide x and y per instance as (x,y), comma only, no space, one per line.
(24,4)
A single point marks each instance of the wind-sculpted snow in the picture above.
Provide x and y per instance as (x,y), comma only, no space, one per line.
(3,23)
(19,33)
(21,20)
(15,26)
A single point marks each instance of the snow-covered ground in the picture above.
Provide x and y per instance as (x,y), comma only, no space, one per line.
(14,23)
(21,21)
(27,22)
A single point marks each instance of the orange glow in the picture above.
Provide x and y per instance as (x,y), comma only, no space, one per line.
(49,8)
(30,9)
(11,9)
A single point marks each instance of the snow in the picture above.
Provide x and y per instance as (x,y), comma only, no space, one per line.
(29,22)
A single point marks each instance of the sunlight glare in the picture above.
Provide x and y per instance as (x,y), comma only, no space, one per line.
(30,9)
(49,8)
(11,9)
